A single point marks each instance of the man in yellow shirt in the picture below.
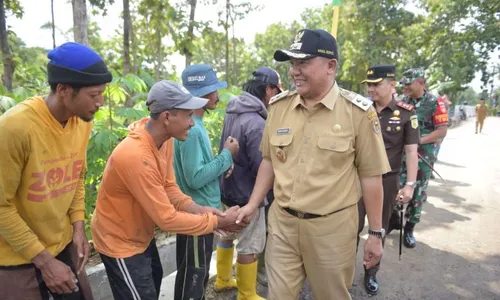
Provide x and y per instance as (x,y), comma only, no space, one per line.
(43,247)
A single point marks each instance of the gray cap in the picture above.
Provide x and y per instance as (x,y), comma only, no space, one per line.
(167,94)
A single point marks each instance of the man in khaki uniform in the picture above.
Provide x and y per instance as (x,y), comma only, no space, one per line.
(481,113)
(322,146)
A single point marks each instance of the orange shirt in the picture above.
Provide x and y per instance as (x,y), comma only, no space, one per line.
(138,190)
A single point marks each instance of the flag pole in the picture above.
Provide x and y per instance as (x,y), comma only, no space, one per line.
(335,21)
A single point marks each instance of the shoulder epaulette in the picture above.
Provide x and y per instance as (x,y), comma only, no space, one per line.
(281,96)
(356,99)
(404,105)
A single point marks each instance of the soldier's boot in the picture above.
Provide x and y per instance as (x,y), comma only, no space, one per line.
(261,269)
(409,239)
(371,283)
(246,277)
(225,280)
(394,222)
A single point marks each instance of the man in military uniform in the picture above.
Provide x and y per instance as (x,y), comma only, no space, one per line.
(481,113)
(323,149)
(433,125)
(399,126)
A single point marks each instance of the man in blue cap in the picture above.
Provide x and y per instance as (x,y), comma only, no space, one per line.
(197,172)
(43,247)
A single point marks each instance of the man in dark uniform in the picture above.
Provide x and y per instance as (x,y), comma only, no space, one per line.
(400,131)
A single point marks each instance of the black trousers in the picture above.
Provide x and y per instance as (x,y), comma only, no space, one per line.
(135,277)
(391,187)
(194,254)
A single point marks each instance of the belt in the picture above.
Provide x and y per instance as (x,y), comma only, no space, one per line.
(303,215)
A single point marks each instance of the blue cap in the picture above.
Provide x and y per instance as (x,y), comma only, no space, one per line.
(268,75)
(201,80)
(76,64)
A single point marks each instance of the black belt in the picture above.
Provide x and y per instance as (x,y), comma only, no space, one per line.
(303,215)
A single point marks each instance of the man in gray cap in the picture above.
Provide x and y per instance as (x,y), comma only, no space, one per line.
(138,190)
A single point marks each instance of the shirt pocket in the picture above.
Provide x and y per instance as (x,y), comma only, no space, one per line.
(332,154)
(281,147)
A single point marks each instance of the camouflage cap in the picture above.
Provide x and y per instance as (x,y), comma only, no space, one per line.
(412,74)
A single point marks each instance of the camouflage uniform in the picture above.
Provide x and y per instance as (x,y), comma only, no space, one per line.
(431,113)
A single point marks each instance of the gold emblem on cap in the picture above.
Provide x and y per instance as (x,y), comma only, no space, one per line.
(299,36)
(370,72)
(396,113)
(281,155)
(337,128)
(398,128)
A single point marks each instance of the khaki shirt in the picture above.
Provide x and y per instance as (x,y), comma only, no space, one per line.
(399,124)
(481,111)
(318,154)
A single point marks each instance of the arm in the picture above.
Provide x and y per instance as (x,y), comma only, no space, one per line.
(265,176)
(196,173)
(373,198)
(371,162)
(411,162)
(263,183)
(440,120)
(143,180)
(436,135)
(76,210)
(13,229)
(411,141)
(181,201)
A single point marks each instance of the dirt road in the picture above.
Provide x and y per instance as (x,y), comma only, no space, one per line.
(458,251)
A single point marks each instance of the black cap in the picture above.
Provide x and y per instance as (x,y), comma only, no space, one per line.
(268,75)
(378,73)
(308,44)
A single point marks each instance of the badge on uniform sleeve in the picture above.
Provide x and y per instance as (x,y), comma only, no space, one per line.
(372,115)
(281,155)
(414,121)
(376,126)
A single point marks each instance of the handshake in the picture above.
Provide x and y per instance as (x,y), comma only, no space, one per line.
(232,220)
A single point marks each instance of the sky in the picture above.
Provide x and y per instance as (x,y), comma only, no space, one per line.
(37,13)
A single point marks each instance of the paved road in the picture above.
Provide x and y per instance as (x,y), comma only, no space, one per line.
(458,251)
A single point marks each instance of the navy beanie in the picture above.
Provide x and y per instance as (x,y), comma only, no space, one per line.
(76,65)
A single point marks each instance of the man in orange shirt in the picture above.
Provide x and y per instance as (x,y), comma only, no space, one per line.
(138,190)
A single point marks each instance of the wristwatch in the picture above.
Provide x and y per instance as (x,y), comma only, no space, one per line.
(380,234)
(413,184)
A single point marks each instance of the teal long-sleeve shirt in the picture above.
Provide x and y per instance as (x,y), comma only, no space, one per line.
(197,171)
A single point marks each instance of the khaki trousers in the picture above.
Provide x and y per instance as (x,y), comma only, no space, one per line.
(321,249)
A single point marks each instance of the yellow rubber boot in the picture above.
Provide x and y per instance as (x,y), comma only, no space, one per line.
(225,280)
(246,277)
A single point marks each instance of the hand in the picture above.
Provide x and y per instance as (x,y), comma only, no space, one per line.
(232,145)
(211,210)
(228,223)
(246,213)
(373,252)
(405,194)
(57,276)
(229,172)
(82,245)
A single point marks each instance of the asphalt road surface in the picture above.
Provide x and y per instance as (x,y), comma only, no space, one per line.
(458,250)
